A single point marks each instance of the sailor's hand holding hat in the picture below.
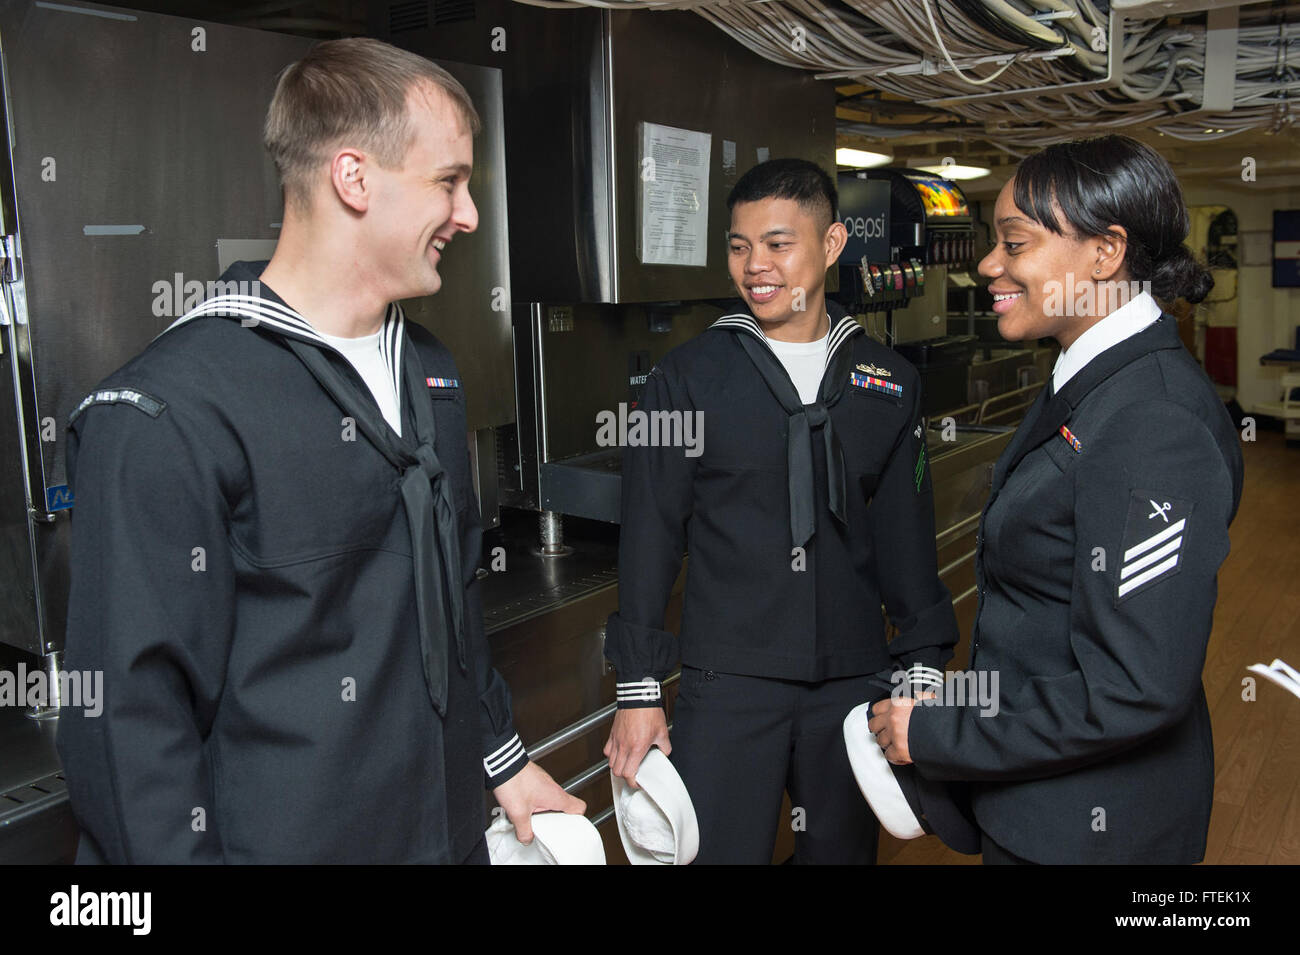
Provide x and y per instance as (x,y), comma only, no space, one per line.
(634,732)
(561,838)
(908,804)
(889,722)
(564,836)
(532,790)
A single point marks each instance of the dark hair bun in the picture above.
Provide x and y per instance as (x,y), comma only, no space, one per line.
(1179,275)
(1107,181)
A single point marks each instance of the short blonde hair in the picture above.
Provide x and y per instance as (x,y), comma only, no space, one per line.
(350,92)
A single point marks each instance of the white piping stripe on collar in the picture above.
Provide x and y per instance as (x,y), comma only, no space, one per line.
(844,329)
(261,309)
(390,344)
(259,313)
(740,321)
(264,311)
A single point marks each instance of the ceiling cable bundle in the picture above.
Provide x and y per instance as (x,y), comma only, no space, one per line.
(1030,72)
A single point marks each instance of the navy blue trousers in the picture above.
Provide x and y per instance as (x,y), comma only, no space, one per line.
(739,742)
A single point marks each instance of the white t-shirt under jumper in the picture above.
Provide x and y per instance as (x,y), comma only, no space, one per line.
(805,363)
(364,355)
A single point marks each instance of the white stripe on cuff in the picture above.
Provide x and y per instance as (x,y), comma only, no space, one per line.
(494,763)
(642,690)
(924,675)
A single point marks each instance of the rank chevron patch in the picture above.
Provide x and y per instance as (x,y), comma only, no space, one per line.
(1155,536)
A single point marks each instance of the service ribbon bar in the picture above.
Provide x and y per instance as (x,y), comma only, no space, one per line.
(876,384)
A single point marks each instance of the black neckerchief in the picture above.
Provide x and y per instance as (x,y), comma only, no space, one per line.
(803,418)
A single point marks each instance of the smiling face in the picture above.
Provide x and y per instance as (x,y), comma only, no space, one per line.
(416,210)
(778,256)
(1029,262)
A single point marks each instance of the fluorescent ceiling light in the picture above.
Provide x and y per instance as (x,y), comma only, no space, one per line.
(861,158)
(955,171)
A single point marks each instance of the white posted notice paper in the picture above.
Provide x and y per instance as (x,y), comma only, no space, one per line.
(674,207)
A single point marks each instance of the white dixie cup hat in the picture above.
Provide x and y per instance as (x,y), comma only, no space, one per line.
(906,802)
(876,777)
(559,838)
(657,821)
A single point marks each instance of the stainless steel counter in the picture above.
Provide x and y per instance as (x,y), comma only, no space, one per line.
(36,824)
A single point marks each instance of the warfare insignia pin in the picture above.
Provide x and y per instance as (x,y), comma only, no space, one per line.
(870,369)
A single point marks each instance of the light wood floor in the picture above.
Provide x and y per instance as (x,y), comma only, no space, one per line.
(1256,817)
